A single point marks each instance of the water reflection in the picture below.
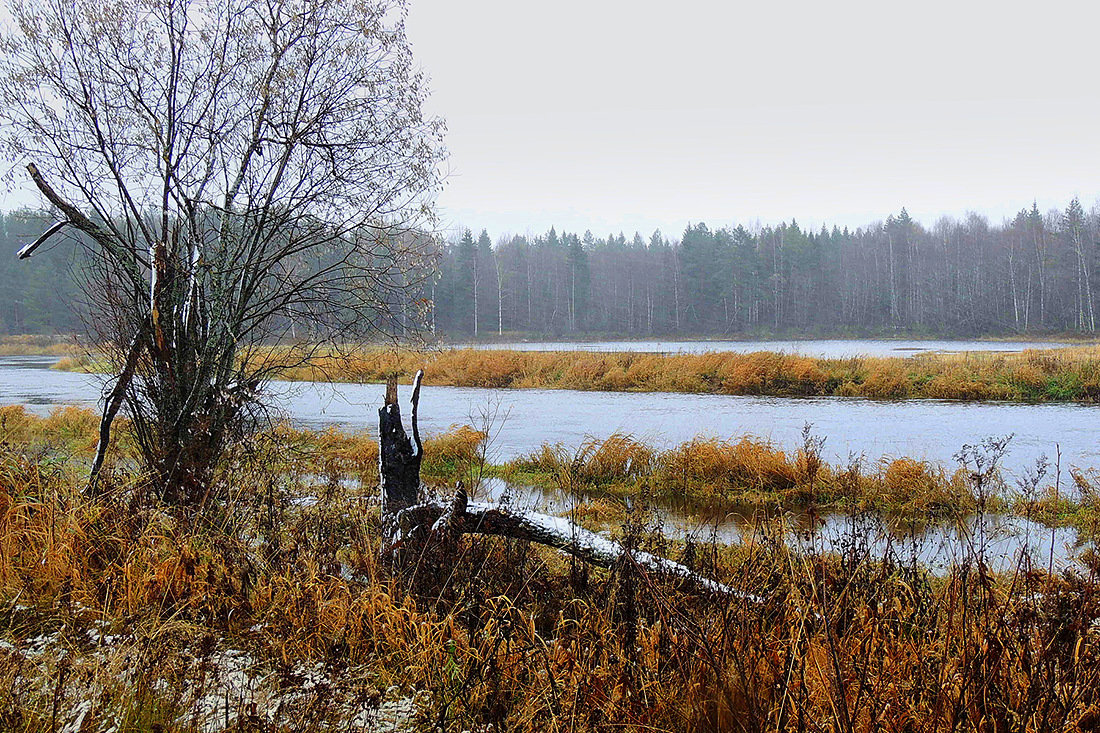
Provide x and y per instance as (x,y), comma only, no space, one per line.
(1001,541)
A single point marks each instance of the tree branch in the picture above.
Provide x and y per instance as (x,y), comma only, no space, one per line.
(77,218)
(27,251)
(114,402)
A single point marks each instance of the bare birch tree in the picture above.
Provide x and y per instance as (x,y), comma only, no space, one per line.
(240,170)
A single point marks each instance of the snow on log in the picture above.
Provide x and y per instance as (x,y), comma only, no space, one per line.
(409,522)
(29,249)
(544,529)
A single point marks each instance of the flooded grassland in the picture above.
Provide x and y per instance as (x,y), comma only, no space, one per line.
(881,573)
(276,610)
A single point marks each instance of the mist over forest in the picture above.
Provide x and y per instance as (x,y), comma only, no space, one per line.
(1034,274)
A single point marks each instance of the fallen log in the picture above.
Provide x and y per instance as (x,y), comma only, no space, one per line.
(408,523)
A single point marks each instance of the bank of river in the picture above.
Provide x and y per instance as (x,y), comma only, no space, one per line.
(816,348)
(520,421)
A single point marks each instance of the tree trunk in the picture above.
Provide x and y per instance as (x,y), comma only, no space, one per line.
(408,522)
(398,457)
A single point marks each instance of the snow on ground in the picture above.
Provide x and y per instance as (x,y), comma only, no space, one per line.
(226,687)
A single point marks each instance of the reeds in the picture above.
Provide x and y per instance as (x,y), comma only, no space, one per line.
(336,454)
(722,475)
(1032,376)
(1054,375)
(73,430)
(32,345)
(705,473)
(116,613)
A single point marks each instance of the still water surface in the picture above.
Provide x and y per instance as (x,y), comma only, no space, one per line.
(820,348)
(520,421)
(1000,541)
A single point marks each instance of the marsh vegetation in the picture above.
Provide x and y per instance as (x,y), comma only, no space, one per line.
(1070,374)
(272,609)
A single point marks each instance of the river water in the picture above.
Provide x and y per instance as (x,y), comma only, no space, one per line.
(820,348)
(998,539)
(520,421)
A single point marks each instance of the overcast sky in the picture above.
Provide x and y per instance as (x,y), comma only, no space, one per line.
(637,115)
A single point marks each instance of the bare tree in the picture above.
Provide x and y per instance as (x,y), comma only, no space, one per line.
(240,170)
(1073,228)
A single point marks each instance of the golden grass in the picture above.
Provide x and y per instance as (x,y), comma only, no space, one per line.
(329,452)
(335,454)
(80,363)
(1067,374)
(31,345)
(722,475)
(1033,375)
(73,429)
(708,473)
(746,464)
(492,632)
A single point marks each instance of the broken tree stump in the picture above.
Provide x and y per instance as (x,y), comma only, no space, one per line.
(407,522)
(398,457)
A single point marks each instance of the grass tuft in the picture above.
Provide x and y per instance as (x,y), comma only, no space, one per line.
(276,611)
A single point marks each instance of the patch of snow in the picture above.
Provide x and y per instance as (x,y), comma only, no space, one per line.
(312,675)
(304,501)
(39,645)
(233,683)
(396,713)
(79,713)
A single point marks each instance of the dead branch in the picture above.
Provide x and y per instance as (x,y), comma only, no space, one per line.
(28,250)
(113,403)
(409,523)
(398,463)
(556,532)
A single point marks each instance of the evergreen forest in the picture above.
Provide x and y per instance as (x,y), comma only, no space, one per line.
(1036,273)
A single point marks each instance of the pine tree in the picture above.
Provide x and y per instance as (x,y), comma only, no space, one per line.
(466,284)
(485,283)
(579,282)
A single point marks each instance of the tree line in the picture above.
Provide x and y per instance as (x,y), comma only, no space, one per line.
(40,294)
(1035,273)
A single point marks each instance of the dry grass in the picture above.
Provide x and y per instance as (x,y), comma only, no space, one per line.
(333,454)
(117,610)
(74,431)
(30,345)
(1056,506)
(80,363)
(722,475)
(1068,374)
(69,430)
(705,473)
(1034,375)
(747,464)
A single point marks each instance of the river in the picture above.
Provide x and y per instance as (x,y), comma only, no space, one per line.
(519,421)
(818,348)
